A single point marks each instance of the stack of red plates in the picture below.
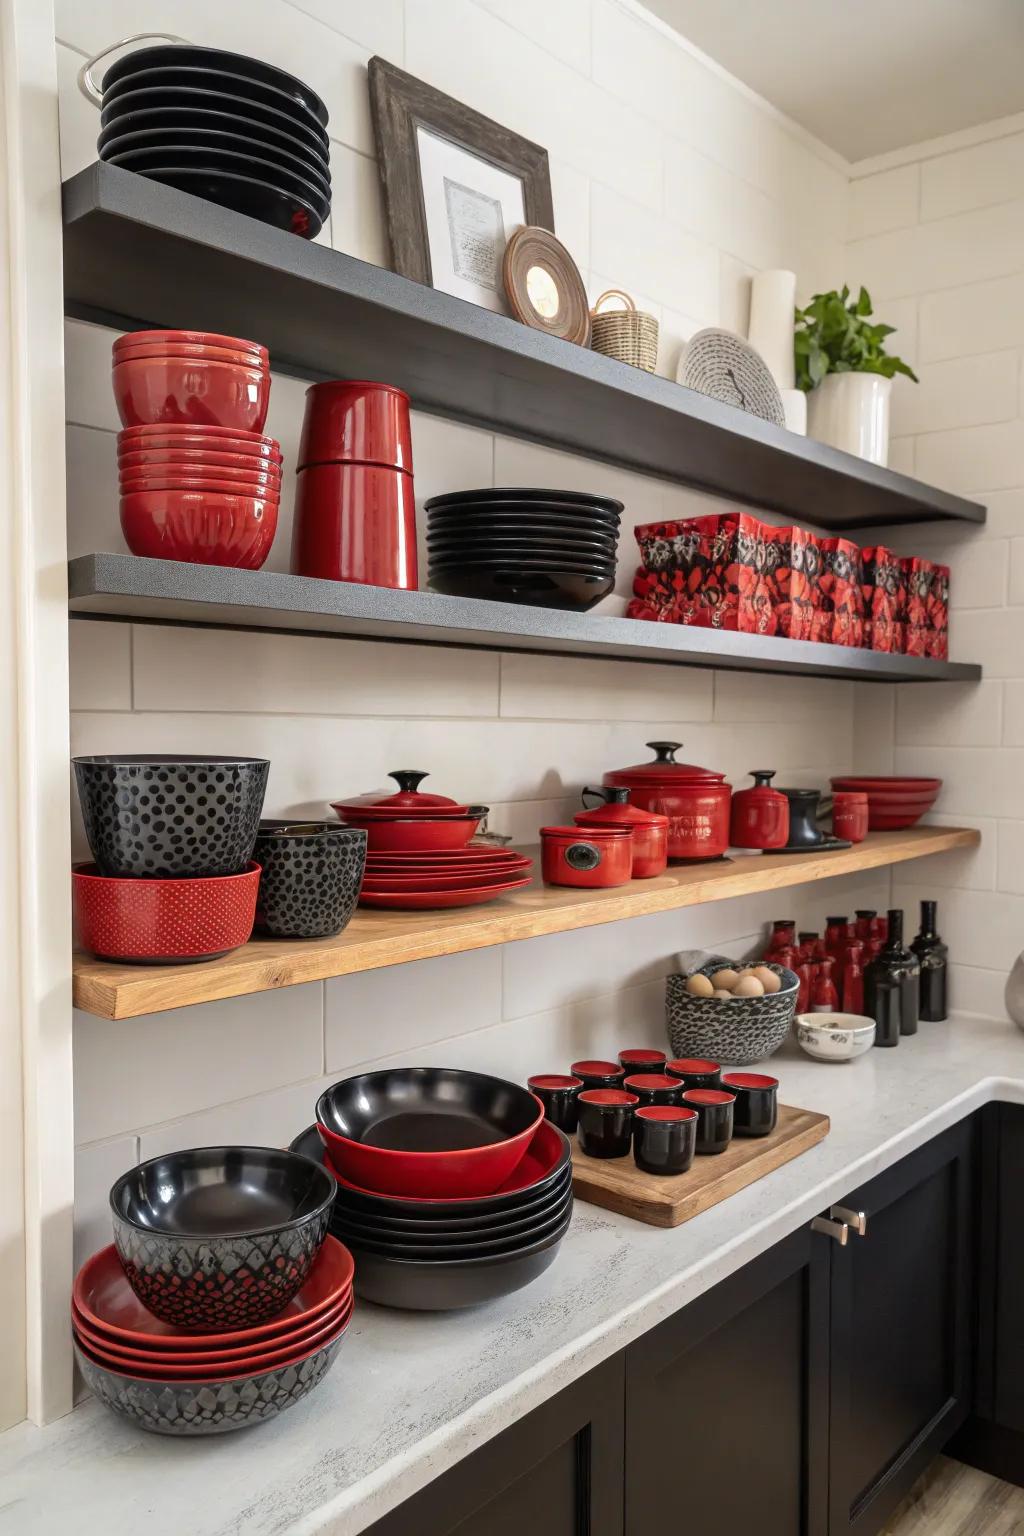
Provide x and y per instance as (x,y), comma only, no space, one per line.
(893,802)
(182,1383)
(459,877)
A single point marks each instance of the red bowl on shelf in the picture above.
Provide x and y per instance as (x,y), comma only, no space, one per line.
(191,390)
(427,1131)
(188,351)
(163,922)
(356,421)
(409,834)
(198,434)
(182,1351)
(132,339)
(232,484)
(893,803)
(204,527)
(356,522)
(189,461)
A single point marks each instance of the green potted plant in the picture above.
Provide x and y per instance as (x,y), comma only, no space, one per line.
(843,366)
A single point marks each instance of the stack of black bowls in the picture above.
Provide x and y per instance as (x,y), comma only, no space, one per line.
(222,126)
(555,549)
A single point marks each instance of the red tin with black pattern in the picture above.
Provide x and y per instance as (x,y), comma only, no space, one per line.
(165,921)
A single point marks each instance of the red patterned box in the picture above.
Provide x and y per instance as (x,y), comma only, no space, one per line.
(884,594)
(938,629)
(793,562)
(919,582)
(709,571)
(839,616)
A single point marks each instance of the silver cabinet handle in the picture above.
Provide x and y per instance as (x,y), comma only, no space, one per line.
(858,1220)
(838,1231)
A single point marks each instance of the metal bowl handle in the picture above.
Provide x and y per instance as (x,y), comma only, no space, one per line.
(87,85)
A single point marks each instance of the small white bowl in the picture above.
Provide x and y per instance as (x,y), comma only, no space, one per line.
(834,1036)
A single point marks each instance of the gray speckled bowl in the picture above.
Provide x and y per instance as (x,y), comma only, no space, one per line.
(736,1032)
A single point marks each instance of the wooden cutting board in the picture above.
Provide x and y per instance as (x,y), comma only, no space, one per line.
(619,1185)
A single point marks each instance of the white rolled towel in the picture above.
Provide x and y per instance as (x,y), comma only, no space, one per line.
(772,301)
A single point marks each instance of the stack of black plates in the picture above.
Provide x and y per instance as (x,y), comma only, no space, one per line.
(552,548)
(221,126)
(437,1255)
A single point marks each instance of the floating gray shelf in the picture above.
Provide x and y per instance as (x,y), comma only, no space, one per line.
(169,591)
(137,253)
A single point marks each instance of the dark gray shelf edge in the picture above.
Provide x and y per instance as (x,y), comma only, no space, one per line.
(137,252)
(166,591)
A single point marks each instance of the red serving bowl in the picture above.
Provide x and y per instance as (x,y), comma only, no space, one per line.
(489,1125)
(541,1159)
(882,783)
(190,338)
(191,390)
(204,527)
(167,478)
(261,456)
(355,421)
(414,833)
(102,1296)
(187,350)
(204,461)
(198,434)
(893,803)
(163,921)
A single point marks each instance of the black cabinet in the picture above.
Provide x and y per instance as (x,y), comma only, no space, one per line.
(727,1403)
(557,1472)
(900,1366)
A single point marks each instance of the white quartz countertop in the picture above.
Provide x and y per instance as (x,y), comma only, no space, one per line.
(411,1394)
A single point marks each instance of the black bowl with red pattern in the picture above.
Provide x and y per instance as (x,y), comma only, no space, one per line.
(218,1238)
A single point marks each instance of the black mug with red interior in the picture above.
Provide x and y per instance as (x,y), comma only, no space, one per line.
(664,1138)
(558,1093)
(756,1112)
(714,1117)
(598,1074)
(695,1072)
(605,1127)
(654,1087)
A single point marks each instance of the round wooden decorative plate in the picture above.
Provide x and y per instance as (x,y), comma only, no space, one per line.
(544,286)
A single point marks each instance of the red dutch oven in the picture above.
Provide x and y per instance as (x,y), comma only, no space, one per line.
(650,830)
(695,800)
(587,856)
(760,815)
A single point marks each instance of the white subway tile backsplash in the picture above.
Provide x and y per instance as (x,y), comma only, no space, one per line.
(883,202)
(96,1168)
(978,317)
(745,697)
(575,688)
(972,869)
(88,397)
(378,27)
(976,781)
(966,248)
(99,659)
(653,252)
(994,636)
(985,926)
(1017,571)
(874,709)
(973,178)
(1010,843)
(975,991)
(357,210)
(961,392)
(973,459)
(134,1072)
(562,29)
(399,1009)
(267,1120)
(949,714)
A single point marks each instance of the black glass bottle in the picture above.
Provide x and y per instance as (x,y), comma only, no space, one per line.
(932,955)
(891,987)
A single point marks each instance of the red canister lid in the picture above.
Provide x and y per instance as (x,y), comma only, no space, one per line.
(586,834)
(663,770)
(356,421)
(409,800)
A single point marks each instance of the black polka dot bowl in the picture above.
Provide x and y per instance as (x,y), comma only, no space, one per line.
(735,1030)
(214,1407)
(311,877)
(218,1238)
(171,816)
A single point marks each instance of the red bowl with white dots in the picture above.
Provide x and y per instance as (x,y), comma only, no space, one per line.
(163,922)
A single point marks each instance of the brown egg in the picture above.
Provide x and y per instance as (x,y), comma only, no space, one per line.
(726,978)
(700,986)
(767,978)
(748,986)
(723,995)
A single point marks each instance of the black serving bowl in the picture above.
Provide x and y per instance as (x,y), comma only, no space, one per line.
(218,1238)
(177,56)
(153,815)
(310,875)
(445,1243)
(564,588)
(442,1286)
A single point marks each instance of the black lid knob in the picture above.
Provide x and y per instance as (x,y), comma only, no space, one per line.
(762,776)
(408,779)
(664,751)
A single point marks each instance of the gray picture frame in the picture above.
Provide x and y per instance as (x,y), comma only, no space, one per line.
(399,104)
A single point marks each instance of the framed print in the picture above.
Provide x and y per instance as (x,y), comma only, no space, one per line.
(457,186)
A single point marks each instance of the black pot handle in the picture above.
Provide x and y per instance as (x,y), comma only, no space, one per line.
(408,779)
(606,796)
(664,751)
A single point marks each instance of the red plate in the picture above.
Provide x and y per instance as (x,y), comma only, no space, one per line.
(425,900)
(448,858)
(172,1365)
(388,863)
(107,1343)
(107,1302)
(429,882)
(924,786)
(539,1159)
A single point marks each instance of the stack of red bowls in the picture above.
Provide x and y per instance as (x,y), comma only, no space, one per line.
(452,1188)
(223,1299)
(419,853)
(198,479)
(893,802)
(355,509)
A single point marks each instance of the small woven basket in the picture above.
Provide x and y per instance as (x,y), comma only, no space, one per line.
(627,334)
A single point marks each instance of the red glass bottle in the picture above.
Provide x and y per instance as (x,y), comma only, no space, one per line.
(880,928)
(783,937)
(805,975)
(824,997)
(835,940)
(853,978)
(787,956)
(865,917)
(806,947)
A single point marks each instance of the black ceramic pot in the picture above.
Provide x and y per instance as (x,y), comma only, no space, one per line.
(804,831)
(157,816)
(558,1093)
(714,1117)
(756,1110)
(664,1138)
(310,880)
(606,1122)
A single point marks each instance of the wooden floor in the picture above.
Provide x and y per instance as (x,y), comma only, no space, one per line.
(954,1500)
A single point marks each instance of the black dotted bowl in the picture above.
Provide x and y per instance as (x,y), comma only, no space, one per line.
(310,880)
(171,816)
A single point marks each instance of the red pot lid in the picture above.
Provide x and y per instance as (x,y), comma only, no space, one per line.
(407,798)
(663,769)
(617,811)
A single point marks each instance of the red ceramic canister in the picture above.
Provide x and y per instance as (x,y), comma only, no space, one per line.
(591,856)
(650,830)
(760,816)
(850,815)
(356,421)
(355,522)
(695,800)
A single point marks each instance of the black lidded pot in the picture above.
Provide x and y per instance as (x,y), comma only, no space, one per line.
(891,986)
(933,957)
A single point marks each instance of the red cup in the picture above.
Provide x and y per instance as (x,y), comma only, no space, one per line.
(203,527)
(355,422)
(163,921)
(587,856)
(850,815)
(181,390)
(355,522)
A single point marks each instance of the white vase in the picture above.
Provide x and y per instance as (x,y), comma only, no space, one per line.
(851,411)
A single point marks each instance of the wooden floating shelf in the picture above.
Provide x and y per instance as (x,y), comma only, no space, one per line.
(377,938)
(140,254)
(171,591)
